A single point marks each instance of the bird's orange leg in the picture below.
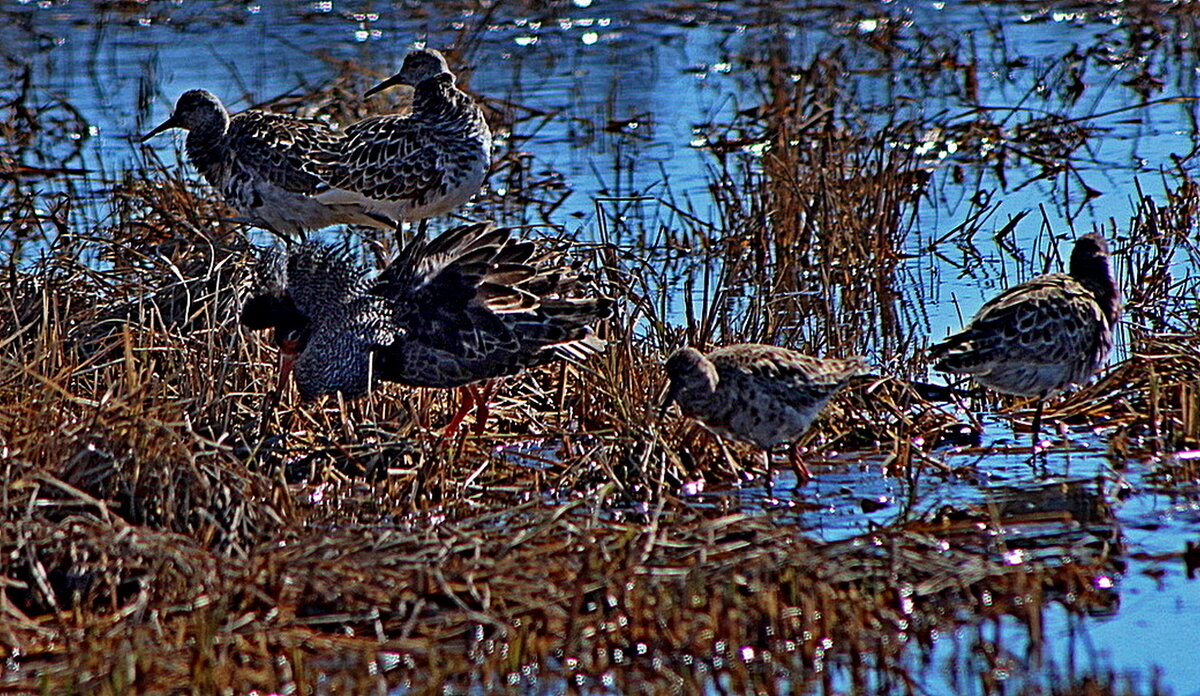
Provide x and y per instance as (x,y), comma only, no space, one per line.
(803,475)
(482,396)
(465,402)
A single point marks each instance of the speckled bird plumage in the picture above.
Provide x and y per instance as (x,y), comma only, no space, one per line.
(419,165)
(266,166)
(293,175)
(322,295)
(1037,337)
(470,305)
(757,394)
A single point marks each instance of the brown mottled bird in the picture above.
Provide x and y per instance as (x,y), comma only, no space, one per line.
(420,165)
(472,304)
(1037,337)
(292,175)
(758,394)
(266,166)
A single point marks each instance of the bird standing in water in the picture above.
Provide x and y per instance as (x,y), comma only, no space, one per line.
(761,395)
(1037,337)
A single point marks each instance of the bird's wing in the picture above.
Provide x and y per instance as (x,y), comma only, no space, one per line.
(288,152)
(1047,320)
(448,293)
(790,376)
(476,294)
(388,158)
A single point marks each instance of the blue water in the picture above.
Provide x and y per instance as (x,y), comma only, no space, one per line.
(660,80)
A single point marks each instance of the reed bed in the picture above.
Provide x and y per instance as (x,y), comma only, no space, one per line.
(169,528)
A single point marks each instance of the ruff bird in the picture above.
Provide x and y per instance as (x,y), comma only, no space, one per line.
(761,395)
(1042,335)
(269,167)
(416,166)
(470,305)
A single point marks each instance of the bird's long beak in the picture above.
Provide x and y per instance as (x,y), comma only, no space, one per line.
(397,79)
(286,361)
(165,125)
(672,392)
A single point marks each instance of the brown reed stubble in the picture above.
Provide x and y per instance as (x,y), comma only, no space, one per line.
(156,546)
(685,595)
(160,545)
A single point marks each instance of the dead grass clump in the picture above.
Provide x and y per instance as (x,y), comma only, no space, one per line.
(1155,393)
(157,215)
(508,598)
(819,210)
(1160,290)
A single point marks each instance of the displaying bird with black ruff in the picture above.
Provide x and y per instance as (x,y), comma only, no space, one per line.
(470,305)
(266,166)
(1042,335)
(420,165)
(761,395)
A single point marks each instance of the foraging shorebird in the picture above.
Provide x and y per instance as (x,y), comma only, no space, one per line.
(757,394)
(266,166)
(472,304)
(415,166)
(1037,337)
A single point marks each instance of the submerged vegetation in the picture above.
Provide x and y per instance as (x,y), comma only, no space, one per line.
(167,528)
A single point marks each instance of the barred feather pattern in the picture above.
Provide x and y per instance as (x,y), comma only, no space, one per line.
(266,166)
(292,175)
(757,394)
(342,323)
(415,166)
(1042,335)
(472,304)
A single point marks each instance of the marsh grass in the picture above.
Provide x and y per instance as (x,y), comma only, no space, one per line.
(167,528)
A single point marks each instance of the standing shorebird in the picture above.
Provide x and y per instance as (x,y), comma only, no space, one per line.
(761,395)
(415,166)
(1041,335)
(470,305)
(266,166)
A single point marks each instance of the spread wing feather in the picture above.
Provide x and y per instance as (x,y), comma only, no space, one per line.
(466,308)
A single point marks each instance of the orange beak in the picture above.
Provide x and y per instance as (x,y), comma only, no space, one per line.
(288,352)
